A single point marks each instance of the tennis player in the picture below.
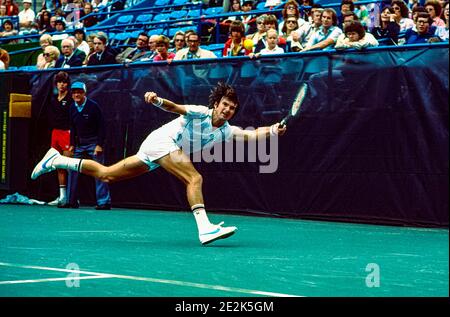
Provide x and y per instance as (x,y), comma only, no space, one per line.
(165,147)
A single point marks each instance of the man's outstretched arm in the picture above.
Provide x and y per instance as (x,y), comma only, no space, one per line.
(261,132)
(167,105)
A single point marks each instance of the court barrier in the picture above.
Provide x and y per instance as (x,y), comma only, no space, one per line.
(370,145)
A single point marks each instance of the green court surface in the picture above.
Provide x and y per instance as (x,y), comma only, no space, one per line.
(46,251)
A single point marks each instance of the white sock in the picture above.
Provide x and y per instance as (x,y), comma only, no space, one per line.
(67,163)
(201,217)
(62,192)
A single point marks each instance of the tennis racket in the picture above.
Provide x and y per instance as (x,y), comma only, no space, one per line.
(301,94)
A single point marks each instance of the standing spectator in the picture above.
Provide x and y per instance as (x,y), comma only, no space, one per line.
(442,31)
(389,28)
(87,137)
(58,119)
(4,59)
(12,8)
(328,33)
(235,45)
(68,58)
(434,9)
(3,10)
(131,54)
(424,33)
(179,42)
(193,51)
(26,16)
(162,48)
(402,15)
(44,41)
(51,55)
(103,54)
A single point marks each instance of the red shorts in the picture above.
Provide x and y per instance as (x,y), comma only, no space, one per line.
(60,140)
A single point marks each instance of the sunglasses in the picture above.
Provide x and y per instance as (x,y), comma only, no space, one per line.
(293,22)
(46,54)
(179,40)
(291,8)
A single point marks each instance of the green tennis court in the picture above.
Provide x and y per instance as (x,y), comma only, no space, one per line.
(46,251)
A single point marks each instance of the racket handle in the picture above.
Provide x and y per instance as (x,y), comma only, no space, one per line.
(283,122)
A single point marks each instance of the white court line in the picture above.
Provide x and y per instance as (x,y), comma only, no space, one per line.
(155,280)
(53,279)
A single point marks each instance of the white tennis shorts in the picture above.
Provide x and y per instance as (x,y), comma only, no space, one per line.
(154,147)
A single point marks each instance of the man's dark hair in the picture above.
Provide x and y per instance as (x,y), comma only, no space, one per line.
(61,77)
(223,90)
(357,27)
(350,3)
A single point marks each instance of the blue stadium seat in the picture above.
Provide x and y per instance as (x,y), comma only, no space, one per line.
(125,19)
(260,6)
(214,10)
(194,13)
(161,17)
(179,14)
(160,3)
(157,31)
(144,18)
(180,2)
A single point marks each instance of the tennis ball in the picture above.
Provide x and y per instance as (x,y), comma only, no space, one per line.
(248,44)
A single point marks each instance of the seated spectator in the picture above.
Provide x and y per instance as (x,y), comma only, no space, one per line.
(402,15)
(235,45)
(355,36)
(270,22)
(261,30)
(347,6)
(26,17)
(12,8)
(415,11)
(82,45)
(8,30)
(162,49)
(60,26)
(309,28)
(151,51)
(389,28)
(68,58)
(90,20)
(270,4)
(179,42)
(328,33)
(77,52)
(424,33)
(272,44)
(44,41)
(52,27)
(442,31)
(434,9)
(291,8)
(289,27)
(193,51)
(248,20)
(131,54)
(103,54)
(2,10)
(51,55)
(4,59)
(348,18)
(44,22)
(306,14)
(90,42)
(235,8)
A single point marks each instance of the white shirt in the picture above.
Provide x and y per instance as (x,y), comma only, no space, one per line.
(319,36)
(442,32)
(26,16)
(276,50)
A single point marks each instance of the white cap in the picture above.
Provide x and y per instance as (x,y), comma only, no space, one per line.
(27,1)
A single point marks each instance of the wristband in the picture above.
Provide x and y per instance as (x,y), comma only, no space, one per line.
(158,103)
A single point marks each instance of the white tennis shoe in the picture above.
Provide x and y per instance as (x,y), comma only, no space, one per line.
(216,232)
(45,165)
